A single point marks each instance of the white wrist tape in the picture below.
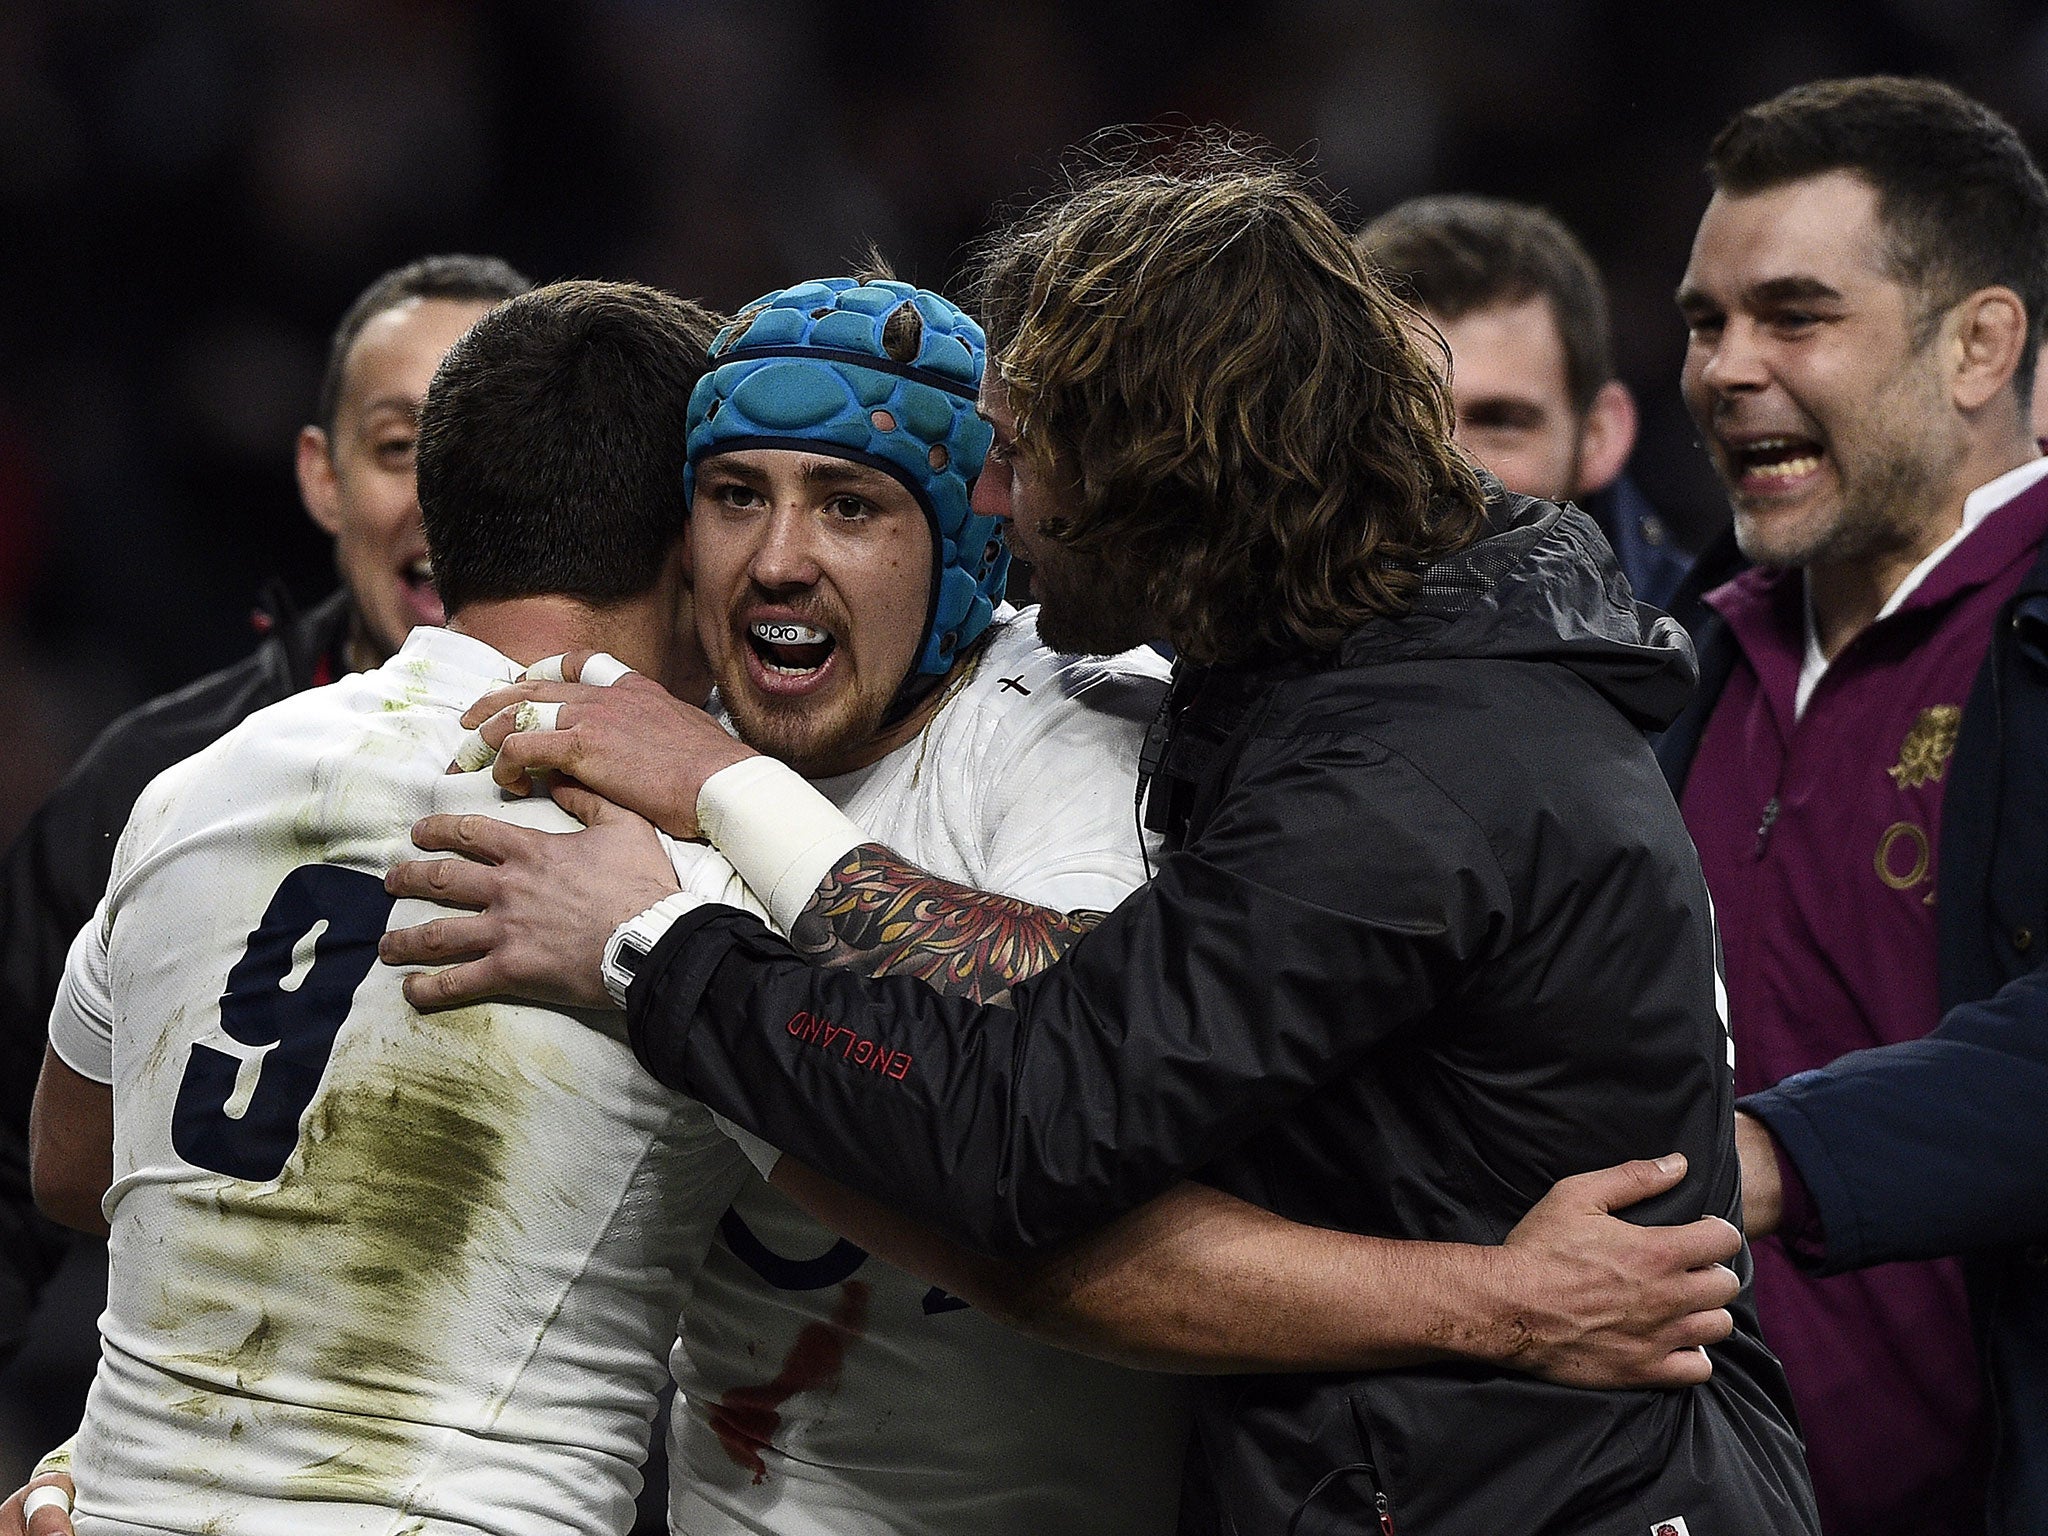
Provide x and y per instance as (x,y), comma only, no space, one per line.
(758,1152)
(600,671)
(781,835)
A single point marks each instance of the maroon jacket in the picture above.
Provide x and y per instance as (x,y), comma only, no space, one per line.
(1821,844)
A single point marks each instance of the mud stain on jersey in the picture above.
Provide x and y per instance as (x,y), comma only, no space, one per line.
(395,1190)
(422,1162)
(374,1468)
(239,1363)
(746,1418)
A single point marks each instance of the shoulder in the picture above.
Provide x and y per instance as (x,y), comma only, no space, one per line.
(314,736)
(1019,680)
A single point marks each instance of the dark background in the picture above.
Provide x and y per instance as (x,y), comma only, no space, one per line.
(191,192)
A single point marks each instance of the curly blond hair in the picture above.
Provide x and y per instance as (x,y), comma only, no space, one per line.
(1249,431)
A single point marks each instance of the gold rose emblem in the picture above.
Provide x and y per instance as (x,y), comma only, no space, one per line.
(1924,754)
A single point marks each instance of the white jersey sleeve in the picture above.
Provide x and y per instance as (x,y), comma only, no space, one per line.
(82,1019)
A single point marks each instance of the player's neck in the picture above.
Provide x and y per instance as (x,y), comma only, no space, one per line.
(524,629)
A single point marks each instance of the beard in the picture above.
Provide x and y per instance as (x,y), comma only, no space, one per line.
(1089,607)
(1883,511)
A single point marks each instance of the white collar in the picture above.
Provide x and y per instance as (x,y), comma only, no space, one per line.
(458,652)
(1977,506)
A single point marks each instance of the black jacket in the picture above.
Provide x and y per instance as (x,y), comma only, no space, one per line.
(1432,936)
(56,872)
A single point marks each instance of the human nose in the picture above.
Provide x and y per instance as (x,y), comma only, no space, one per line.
(991,494)
(1733,360)
(785,556)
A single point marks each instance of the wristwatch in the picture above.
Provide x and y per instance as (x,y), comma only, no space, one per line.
(626,951)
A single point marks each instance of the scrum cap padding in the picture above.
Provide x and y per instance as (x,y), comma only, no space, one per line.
(884,374)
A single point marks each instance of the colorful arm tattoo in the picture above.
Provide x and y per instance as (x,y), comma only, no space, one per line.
(879,916)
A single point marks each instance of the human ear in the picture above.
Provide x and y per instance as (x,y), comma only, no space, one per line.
(318,488)
(1990,328)
(1606,438)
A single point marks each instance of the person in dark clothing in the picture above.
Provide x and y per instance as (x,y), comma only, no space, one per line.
(1523,314)
(1428,935)
(1863,771)
(355,477)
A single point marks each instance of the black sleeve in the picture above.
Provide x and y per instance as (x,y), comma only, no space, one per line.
(1326,906)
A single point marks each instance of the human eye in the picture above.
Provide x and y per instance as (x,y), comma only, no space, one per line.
(723,491)
(1705,324)
(849,509)
(394,450)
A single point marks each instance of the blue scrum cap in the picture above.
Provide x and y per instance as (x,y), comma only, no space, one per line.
(884,374)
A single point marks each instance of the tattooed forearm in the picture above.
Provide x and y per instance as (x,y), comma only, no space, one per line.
(879,916)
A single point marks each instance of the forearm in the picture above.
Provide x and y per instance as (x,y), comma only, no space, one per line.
(854,905)
(1192,1015)
(1196,1281)
(71,1146)
(1927,1147)
(878,915)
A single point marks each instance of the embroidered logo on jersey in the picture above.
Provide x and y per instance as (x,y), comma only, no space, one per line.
(1905,857)
(1675,1526)
(1924,754)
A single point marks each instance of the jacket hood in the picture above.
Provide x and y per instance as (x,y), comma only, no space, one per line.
(1542,586)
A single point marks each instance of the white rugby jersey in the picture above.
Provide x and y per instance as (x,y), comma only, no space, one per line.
(372,1271)
(826,1393)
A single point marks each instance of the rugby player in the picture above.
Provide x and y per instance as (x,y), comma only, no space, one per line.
(820,485)
(363,1276)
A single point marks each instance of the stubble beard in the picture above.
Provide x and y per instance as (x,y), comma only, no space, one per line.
(804,736)
(1087,608)
(1889,501)
(1885,511)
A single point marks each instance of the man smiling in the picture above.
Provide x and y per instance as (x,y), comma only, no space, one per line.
(1861,770)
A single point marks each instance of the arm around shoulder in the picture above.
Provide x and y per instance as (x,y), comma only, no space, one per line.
(1197,1280)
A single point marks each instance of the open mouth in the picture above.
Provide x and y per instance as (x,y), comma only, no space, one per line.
(787,648)
(421,592)
(1768,464)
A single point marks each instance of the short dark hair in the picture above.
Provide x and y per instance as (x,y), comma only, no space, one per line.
(553,442)
(1253,435)
(1962,203)
(464,279)
(1458,253)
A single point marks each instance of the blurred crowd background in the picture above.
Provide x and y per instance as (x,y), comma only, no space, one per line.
(191,193)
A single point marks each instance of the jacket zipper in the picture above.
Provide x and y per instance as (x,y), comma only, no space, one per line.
(1764,825)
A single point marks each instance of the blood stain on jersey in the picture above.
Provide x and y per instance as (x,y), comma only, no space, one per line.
(746,1418)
